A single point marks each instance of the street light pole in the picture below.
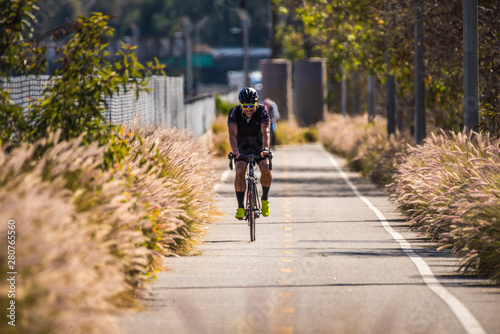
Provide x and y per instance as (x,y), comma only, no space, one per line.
(470,79)
(245,26)
(420,129)
(188,27)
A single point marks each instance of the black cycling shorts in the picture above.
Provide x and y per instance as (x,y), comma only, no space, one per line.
(258,160)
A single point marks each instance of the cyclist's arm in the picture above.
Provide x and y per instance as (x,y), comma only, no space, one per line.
(233,131)
(265,128)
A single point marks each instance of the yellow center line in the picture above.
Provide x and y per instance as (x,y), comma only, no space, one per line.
(285,240)
(285,330)
(286,208)
(287,216)
(287,246)
(286,270)
(287,221)
(287,310)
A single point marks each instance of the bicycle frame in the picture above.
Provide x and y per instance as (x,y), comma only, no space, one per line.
(252,207)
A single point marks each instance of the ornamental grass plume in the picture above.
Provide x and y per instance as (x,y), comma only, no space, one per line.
(450,189)
(65,273)
(88,237)
(181,162)
(365,145)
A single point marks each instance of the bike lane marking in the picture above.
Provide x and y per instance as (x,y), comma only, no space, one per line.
(461,312)
(285,330)
(285,309)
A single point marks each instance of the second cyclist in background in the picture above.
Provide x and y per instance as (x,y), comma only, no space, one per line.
(272,110)
(249,133)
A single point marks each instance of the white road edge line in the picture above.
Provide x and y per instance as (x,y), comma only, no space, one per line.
(468,321)
(223,179)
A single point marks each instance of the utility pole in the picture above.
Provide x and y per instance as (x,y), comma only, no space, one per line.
(371,98)
(355,96)
(245,26)
(419,74)
(188,27)
(343,102)
(470,75)
(391,103)
(390,85)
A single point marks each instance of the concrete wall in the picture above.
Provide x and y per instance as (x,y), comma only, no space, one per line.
(309,91)
(277,84)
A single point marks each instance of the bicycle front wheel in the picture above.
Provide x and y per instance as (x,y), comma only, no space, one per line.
(251,211)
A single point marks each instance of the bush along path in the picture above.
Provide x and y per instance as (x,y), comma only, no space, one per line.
(449,187)
(94,222)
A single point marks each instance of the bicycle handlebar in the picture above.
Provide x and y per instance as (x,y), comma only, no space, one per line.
(231,157)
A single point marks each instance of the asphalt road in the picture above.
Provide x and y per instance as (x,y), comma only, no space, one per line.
(333,257)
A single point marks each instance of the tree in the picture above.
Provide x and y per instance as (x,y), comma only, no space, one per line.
(74,104)
(361,34)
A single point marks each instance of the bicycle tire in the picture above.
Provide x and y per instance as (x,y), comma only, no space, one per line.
(251,210)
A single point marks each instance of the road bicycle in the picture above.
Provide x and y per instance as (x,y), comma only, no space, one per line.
(252,207)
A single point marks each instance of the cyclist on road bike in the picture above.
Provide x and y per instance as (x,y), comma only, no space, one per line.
(249,133)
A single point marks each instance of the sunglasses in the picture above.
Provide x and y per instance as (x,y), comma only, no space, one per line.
(248,106)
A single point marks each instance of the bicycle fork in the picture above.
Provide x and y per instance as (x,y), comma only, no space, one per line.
(252,192)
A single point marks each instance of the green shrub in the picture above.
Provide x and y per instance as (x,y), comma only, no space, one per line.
(311,135)
(75,101)
(222,107)
(220,137)
(288,132)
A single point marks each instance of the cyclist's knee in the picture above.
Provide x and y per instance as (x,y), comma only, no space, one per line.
(264,167)
(241,169)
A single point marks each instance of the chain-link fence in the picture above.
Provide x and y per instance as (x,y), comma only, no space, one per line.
(164,106)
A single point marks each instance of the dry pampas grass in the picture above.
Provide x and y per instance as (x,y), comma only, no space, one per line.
(86,236)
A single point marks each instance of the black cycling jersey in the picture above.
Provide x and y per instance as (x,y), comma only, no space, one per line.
(249,135)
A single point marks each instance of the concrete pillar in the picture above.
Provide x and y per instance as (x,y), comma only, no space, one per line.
(277,84)
(309,91)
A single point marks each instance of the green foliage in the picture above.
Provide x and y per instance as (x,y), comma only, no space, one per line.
(87,76)
(222,107)
(17,54)
(378,37)
(13,123)
(220,137)
(289,132)
(77,99)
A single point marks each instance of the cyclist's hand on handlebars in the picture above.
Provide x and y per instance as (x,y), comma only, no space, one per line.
(234,155)
(266,153)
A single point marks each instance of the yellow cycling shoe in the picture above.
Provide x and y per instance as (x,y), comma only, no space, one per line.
(266,210)
(240,214)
